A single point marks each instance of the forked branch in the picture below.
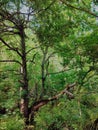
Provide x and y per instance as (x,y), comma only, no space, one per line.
(37,105)
(11,48)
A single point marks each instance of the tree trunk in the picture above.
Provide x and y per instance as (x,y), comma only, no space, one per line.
(24,81)
(43,73)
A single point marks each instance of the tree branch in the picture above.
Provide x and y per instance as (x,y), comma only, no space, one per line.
(80,9)
(50,56)
(7,30)
(32,60)
(7,16)
(11,61)
(32,49)
(47,7)
(11,48)
(37,105)
(62,71)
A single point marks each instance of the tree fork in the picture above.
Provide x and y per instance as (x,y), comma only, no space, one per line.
(37,105)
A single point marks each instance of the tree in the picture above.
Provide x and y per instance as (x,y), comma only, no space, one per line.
(54,27)
(14,23)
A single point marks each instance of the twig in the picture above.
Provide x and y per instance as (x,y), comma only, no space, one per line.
(32,49)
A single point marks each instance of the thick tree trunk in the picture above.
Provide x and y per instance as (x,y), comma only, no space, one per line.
(24,81)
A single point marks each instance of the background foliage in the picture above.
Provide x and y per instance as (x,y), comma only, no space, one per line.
(61,47)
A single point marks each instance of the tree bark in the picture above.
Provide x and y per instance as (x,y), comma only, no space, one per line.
(43,71)
(24,84)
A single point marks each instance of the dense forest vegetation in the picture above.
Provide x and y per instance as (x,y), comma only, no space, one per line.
(48,65)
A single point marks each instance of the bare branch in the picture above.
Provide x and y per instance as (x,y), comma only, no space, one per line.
(11,61)
(7,16)
(32,58)
(32,49)
(11,48)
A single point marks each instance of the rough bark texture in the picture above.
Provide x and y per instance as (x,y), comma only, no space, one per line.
(24,84)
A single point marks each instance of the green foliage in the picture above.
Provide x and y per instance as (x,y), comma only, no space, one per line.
(75,114)
(11,123)
(69,34)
